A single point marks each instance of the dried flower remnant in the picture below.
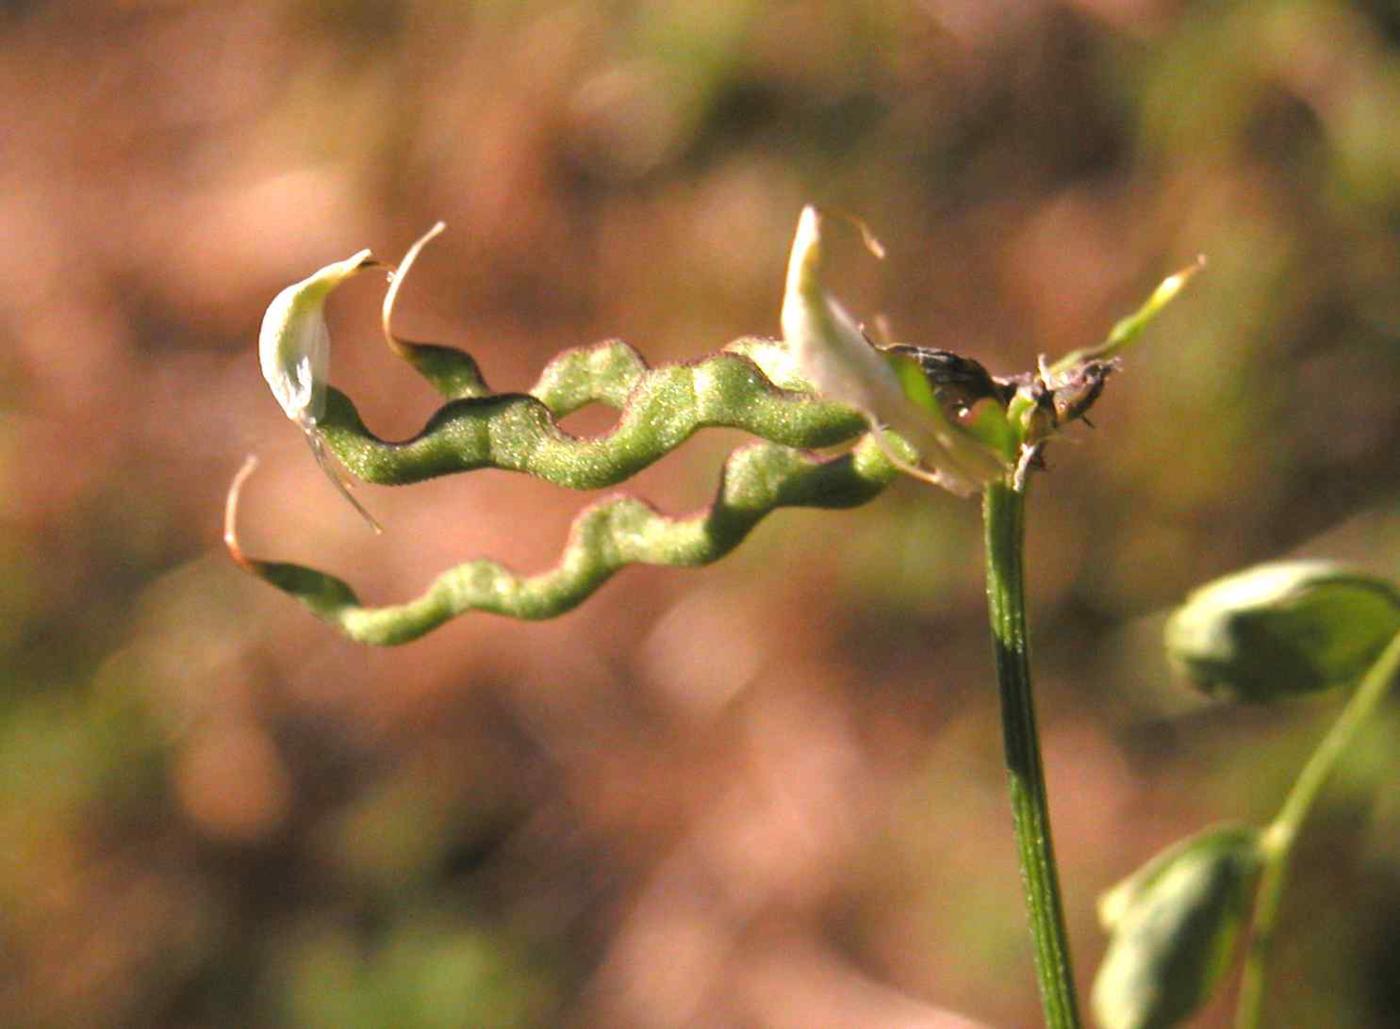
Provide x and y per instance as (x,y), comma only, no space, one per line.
(833,354)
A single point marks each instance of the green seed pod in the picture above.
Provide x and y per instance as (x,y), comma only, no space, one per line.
(1281,629)
(1175,925)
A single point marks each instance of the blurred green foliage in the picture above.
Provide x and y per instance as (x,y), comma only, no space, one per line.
(688,800)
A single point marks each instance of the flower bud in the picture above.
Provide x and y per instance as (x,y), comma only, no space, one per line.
(1281,629)
(294,344)
(1175,924)
(294,348)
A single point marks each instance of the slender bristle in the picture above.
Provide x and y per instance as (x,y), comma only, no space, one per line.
(235,491)
(396,277)
(339,479)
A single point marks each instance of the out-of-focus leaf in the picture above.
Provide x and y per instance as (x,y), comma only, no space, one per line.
(1283,628)
(1123,897)
(1175,924)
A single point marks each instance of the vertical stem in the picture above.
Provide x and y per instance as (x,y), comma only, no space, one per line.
(1004,521)
(1280,836)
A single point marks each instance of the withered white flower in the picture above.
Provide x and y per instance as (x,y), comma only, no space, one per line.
(294,350)
(833,354)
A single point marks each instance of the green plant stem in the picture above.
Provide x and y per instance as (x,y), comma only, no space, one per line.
(1283,832)
(1004,522)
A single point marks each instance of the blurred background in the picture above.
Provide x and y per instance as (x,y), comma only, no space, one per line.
(766,793)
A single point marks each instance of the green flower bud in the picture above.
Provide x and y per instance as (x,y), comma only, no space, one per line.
(1282,628)
(1175,925)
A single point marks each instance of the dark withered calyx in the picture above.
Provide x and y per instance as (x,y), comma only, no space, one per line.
(960,382)
(1080,390)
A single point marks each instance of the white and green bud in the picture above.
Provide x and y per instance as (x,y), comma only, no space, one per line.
(294,350)
(833,355)
(1175,925)
(294,344)
(1283,628)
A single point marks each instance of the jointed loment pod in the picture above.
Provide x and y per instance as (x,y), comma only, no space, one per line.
(294,350)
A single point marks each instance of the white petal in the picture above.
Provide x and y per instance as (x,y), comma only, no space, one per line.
(294,344)
(836,358)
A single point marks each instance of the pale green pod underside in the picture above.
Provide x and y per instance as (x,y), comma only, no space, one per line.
(825,341)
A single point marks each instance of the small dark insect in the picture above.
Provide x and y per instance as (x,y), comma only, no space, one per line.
(958,381)
(1075,396)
